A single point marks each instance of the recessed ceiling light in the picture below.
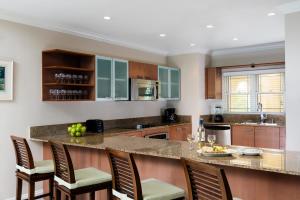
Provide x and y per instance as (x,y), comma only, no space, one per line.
(107,17)
(271,14)
(162,35)
(235,39)
(192,44)
(210,26)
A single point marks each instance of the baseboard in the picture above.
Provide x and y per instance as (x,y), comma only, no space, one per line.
(25,196)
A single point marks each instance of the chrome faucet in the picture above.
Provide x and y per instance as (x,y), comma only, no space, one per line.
(263,116)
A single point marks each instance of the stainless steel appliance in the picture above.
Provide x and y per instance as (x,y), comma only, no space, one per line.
(158,136)
(222,132)
(143,90)
(218,116)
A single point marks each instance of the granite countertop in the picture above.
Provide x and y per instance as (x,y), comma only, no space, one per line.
(278,161)
(245,124)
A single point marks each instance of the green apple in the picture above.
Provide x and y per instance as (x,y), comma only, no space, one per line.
(83,129)
(78,134)
(78,129)
(69,129)
(73,134)
(73,126)
(78,125)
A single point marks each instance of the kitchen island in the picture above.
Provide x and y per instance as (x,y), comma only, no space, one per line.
(273,176)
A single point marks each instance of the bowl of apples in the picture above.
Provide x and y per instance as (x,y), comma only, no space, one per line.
(76,130)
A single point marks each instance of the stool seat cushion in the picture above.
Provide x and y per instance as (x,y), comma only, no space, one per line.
(85,177)
(154,189)
(40,167)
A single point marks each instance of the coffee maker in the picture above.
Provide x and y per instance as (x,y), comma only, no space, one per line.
(170,116)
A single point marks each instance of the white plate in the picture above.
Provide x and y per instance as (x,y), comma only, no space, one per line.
(215,154)
(250,152)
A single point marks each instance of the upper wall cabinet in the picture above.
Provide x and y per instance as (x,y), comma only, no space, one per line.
(169,79)
(138,70)
(112,79)
(68,76)
(213,83)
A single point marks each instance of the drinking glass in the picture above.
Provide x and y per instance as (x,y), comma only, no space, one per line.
(68,78)
(86,79)
(62,77)
(74,78)
(56,76)
(80,78)
(211,139)
(190,140)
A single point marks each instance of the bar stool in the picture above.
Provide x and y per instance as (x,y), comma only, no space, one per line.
(72,182)
(31,171)
(206,181)
(127,185)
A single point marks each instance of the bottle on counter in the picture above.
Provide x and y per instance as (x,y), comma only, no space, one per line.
(201,133)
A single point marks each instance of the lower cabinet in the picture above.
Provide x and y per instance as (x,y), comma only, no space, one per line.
(267,137)
(258,136)
(180,132)
(243,135)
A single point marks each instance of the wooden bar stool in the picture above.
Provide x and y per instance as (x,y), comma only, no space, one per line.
(127,184)
(31,171)
(72,182)
(206,181)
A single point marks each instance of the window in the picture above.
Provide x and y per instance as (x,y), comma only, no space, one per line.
(242,91)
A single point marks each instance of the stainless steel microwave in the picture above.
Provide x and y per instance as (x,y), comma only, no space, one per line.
(143,90)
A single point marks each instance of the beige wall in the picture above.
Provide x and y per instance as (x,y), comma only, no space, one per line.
(254,56)
(24,44)
(192,86)
(292,31)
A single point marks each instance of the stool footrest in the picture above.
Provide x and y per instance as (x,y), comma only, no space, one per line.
(41,196)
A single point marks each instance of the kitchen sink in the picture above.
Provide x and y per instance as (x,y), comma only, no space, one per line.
(260,124)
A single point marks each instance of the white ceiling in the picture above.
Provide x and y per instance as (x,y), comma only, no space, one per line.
(138,23)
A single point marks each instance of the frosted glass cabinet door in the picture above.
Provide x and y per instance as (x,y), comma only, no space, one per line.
(164,82)
(175,83)
(104,75)
(121,79)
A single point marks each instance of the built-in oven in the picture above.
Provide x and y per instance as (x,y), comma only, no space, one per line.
(143,90)
(164,136)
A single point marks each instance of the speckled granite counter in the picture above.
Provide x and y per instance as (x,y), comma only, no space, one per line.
(284,162)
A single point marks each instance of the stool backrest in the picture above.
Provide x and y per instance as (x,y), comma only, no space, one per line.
(206,181)
(125,176)
(63,166)
(23,153)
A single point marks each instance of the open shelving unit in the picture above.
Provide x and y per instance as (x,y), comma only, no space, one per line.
(56,62)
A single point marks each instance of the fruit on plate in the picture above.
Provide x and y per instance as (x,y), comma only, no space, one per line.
(214,149)
(76,130)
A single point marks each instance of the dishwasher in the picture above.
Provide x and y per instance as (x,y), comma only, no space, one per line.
(222,132)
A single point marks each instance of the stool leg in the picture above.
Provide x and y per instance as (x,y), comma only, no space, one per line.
(57,194)
(92,195)
(51,188)
(109,194)
(19,189)
(31,190)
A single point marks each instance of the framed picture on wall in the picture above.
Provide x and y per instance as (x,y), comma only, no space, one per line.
(6,80)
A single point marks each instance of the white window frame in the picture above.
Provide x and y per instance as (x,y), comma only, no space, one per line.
(254,90)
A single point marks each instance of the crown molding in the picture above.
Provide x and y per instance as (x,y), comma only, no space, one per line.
(248,49)
(288,8)
(4,15)
(192,51)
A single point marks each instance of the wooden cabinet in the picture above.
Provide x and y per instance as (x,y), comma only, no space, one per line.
(111,79)
(267,137)
(155,130)
(180,132)
(282,137)
(138,70)
(134,134)
(169,80)
(243,135)
(258,136)
(68,76)
(213,83)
